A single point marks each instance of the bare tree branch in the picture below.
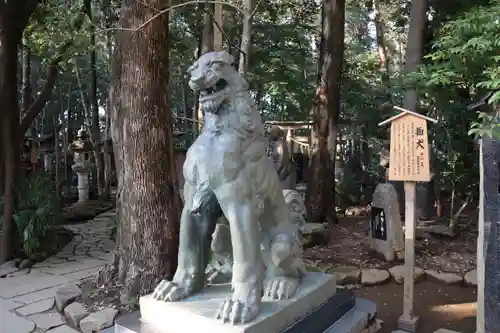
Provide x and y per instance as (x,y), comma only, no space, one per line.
(163,11)
(46,91)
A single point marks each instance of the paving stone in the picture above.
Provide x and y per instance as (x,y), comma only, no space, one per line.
(397,273)
(46,321)
(444,277)
(62,329)
(345,274)
(42,264)
(7,268)
(28,283)
(96,253)
(54,260)
(67,294)
(37,307)
(8,304)
(470,278)
(373,276)
(11,323)
(85,274)
(98,320)
(108,257)
(19,272)
(74,313)
(37,296)
(75,266)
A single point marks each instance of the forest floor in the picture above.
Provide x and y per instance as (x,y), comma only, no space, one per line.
(348,245)
(451,306)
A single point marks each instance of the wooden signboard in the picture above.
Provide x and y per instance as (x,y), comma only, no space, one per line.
(409,149)
(409,162)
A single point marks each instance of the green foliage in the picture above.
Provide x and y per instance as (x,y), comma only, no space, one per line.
(466,58)
(37,210)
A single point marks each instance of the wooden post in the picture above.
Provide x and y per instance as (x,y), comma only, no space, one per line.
(218,27)
(409,162)
(57,152)
(480,323)
(408,321)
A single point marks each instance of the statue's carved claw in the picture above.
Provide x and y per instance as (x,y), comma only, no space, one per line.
(169,291)
(236,312)
(281,288)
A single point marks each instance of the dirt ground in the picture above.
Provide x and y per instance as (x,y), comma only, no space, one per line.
(348,246)
(438,306)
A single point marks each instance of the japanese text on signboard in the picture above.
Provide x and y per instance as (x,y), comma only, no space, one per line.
(409,155)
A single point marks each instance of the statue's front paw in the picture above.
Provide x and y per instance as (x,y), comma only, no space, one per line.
(244,306)
(281,287)
(169,291)
(237,312)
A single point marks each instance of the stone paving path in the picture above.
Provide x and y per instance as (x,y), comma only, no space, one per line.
(27,296)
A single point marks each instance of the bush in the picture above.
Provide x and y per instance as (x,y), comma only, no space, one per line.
(37,210)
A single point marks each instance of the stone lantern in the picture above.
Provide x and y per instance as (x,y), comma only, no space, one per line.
(82,148)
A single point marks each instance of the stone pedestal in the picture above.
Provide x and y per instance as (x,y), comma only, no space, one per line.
(81,149)
(318,307)
(82,172)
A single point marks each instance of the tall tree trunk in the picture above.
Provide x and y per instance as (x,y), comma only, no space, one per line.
(26,78)
(218,25)
(108,20)
(206,45)
(415,46)
(147,200)
(95,130)
(320,198)
(381,44)
(246,37)
(9,41)
(413,58)
(207,34)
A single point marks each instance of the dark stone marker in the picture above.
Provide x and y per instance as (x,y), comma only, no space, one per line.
(491,160)
(378,224)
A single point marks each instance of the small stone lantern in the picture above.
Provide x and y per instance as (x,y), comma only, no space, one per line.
(82,148)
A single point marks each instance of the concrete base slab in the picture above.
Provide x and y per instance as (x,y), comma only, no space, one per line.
(197,313)
(356,320)
(316,307)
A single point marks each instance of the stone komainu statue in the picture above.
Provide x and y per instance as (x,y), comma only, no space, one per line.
(280,156)
(228,173)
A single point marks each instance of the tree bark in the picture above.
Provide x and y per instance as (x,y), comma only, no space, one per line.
(413,58)
(206,45)
(218,26)
(147,202)
(381,45)
(108,20)
(9,41)
(246,37)
(320,198)
(26,78)
(94,111)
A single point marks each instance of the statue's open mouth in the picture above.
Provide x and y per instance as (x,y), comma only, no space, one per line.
(219,86)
